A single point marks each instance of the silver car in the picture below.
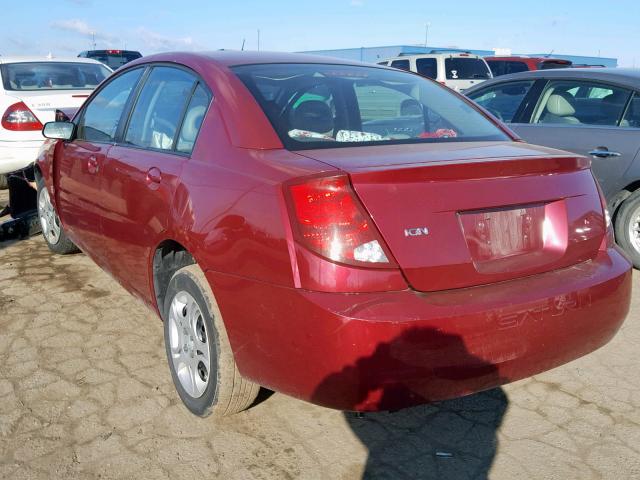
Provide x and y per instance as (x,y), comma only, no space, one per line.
(593,112)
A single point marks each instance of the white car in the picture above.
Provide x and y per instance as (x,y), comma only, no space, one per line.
(31,90)
(456,70)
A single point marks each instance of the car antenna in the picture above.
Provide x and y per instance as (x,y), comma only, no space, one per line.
(549,54)
(242,48)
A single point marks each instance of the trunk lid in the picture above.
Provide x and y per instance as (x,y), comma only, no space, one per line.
(462,214)
(44,104)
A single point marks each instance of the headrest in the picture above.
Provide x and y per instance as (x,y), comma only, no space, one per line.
(191,124)
(559,104)
(313,116)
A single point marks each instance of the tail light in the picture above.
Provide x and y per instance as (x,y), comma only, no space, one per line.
(329,220)
(609,240)
(19,118)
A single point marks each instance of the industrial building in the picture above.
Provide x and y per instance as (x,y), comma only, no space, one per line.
(376,54)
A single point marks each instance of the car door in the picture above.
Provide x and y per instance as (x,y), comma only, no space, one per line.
(142,171)
(80,161)
(585,117)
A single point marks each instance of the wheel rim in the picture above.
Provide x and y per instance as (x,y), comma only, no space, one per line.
(189,344)
(48,218)
(634,230)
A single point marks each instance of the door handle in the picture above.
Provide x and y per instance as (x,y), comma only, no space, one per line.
(92,164)
(154,175)
(603,152)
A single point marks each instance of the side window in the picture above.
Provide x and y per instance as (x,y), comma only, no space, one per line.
(193,119)
(401,64)
(427,67)
(569,102)
(503,100)
(157,113)
(632,115)
(101,117)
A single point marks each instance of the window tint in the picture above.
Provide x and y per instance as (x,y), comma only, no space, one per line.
(193,119)
(502,100)
(158,110)
(427,67)
(461,68)
(504,67)
(551,64)
(632,115)
(401,64)
(52,76)
(328,106)
(571,102)
(101,117)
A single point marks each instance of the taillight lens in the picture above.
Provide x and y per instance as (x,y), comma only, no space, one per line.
(609,238)
(18,117)
(329,219)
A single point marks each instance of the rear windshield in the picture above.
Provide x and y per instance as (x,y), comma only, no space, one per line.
(317,105)
(461,68)
(550,64)
(52,76)
(114,60)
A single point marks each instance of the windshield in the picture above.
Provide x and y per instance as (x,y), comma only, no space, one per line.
(52,76)
(317,105)
(114,60)
(461,68)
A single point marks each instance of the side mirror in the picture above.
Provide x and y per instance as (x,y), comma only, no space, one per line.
(59,130)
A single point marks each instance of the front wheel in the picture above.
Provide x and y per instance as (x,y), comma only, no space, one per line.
(52,230)
(627,227)
(202,366)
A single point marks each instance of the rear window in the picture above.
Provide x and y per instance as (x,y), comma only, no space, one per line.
(461,68)
(114,59)
(550,64)
(328,106)
(505,67)
(52,76)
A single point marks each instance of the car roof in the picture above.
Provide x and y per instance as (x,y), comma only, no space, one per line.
(628,77)
(525,58)
(34,58)
(230,58)
(436,55)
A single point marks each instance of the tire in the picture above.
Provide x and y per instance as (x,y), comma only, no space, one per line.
(627,220)
(193,327)
(4,184)
(52,230)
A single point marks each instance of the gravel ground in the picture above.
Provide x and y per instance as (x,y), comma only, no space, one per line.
(85,393)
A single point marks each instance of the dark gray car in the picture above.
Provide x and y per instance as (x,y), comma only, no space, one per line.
(592,112)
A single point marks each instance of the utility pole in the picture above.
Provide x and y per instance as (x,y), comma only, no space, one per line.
(426,34)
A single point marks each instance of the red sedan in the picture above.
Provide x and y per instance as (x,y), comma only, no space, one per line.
(352,235)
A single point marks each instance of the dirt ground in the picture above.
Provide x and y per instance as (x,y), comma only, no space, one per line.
(85,393)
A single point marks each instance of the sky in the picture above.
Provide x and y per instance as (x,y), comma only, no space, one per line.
(66,27)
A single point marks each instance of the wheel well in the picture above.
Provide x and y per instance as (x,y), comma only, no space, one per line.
(168,258)
(621,196)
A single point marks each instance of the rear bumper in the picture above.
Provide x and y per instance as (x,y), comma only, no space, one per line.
(385,351)
(18,155)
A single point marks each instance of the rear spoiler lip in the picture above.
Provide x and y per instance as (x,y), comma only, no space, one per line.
(475,168)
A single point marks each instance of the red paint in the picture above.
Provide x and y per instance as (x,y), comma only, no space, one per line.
(459,307)
(532,63)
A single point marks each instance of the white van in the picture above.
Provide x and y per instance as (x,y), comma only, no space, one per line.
(458,71)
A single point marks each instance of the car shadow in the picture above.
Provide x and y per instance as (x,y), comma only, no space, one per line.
(451,439)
